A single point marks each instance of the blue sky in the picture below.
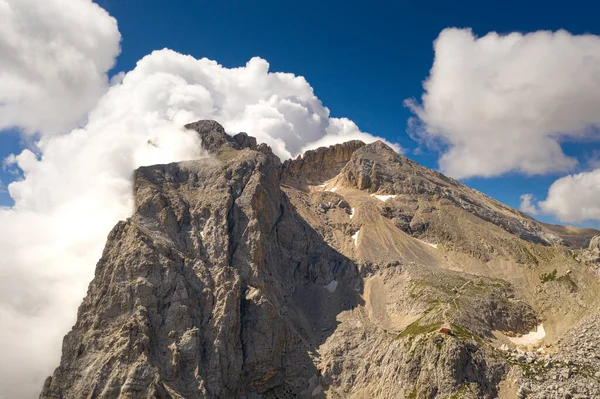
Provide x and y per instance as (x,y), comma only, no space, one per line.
(363,59)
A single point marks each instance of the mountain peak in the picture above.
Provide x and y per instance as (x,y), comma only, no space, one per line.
(321,164)
(215,140)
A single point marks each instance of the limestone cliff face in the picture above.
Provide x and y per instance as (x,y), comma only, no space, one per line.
(330,275)
(213,288)
(322,164)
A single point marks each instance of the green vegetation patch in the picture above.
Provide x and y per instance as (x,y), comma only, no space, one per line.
(417,329)
(546,277)
(460,332)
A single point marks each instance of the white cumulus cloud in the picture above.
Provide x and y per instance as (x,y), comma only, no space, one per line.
(54,56)
(527,205)
(77,185)
(574,198)
(280,109)
(502,103)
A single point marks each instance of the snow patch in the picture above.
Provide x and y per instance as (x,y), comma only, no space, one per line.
(332,189)
(332,286)
(352,213)
(383,197)
(530,338)
(202,234)
(355,237)
(428,243)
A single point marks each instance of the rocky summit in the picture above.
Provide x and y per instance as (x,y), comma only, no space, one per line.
(349,272)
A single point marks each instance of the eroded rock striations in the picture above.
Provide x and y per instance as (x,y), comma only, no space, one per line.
(349,272)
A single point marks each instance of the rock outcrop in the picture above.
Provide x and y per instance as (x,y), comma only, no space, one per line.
(348,272)
(321,164)
(590,255)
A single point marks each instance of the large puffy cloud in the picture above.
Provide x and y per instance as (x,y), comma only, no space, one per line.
(574,198)
(77,185)
(496,103)
(280,109)
(54,55)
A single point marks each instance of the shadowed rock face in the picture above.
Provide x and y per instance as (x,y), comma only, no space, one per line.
(326,276)
(213,288)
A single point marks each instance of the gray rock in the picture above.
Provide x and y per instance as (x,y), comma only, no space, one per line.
(187,295)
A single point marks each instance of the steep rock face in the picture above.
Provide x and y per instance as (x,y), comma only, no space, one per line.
(316,166)
(331,275)
(202,292)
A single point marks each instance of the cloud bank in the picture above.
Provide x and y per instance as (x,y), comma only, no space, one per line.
(77,185)
(497,104)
